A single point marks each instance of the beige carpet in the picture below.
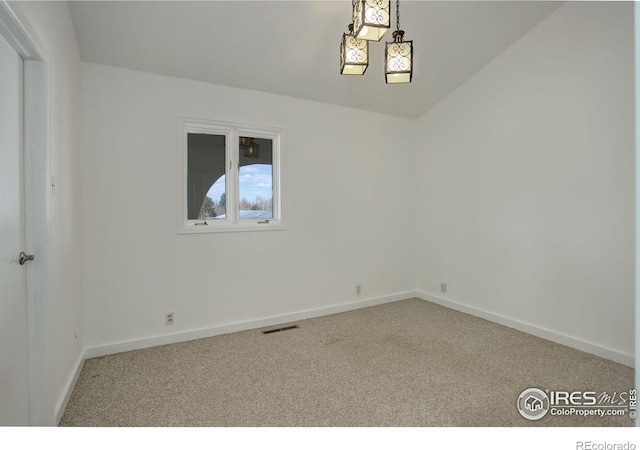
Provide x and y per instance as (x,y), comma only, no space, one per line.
(409,363)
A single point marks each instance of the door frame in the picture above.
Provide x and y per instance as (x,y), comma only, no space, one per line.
(37,204)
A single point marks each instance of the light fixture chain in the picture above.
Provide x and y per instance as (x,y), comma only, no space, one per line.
(397,14)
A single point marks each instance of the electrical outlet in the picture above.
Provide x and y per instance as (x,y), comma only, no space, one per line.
(443,287)
(358,290)
(169,318)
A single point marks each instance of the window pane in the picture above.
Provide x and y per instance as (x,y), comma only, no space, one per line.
(206,190)
(255,178)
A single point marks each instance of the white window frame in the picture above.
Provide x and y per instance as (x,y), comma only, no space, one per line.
(232,133)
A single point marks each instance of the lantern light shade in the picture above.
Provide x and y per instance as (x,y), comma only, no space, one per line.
(354,55)
(250,148)
(371,19)
(252,151)
(399,60)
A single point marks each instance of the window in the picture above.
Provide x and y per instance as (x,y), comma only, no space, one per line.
(230,177)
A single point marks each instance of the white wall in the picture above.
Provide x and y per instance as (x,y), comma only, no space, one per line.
(525,177)
(347,175)
(52,24)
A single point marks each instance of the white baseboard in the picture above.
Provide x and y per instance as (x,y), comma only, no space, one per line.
(61,403)
(138,344)
(559,338)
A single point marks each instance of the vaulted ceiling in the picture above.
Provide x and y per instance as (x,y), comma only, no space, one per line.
(291,47)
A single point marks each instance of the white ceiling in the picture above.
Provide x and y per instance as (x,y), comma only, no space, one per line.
(291,48)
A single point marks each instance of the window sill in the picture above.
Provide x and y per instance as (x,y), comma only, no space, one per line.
(224,228)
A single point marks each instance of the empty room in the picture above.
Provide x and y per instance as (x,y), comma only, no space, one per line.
(317,214)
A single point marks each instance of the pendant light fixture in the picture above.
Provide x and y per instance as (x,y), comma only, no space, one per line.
(354,53)
(371,19)
(371,22)
(398,55)
(250,149)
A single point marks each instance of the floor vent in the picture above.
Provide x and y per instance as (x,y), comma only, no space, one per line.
(280,329)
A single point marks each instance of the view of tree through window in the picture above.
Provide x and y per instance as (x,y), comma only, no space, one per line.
(255,178)
(256,195)
(256,191)
(231,177)
(212,209)
(255,185)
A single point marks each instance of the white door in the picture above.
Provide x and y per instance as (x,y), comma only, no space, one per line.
(14,375)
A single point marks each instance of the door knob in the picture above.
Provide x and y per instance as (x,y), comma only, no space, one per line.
(24,258)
